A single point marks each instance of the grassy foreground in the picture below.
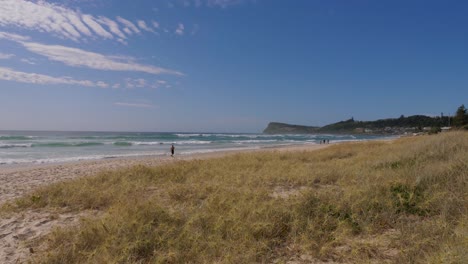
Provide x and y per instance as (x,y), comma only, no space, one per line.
(398,202)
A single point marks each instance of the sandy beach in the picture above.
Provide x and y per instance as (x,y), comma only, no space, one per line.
(18,231)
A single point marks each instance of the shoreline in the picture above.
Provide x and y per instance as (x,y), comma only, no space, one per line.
(33,164)
(11,167)
(31,149)
(19,179)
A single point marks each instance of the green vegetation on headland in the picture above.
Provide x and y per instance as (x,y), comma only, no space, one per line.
(401,125)
(401,201)
(384,126)
(282,128)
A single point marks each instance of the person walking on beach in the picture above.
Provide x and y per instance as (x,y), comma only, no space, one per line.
(172,150)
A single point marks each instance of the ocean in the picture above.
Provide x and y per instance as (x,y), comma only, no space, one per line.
(37,147)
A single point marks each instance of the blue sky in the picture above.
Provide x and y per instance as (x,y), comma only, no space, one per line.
(227,65)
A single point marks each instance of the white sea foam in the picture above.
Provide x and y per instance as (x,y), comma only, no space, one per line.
(2,145)
(254,141)
(188,135)
(233,135)
(188,142)
(181,142)
(253,136)
(14,161)
(143,143)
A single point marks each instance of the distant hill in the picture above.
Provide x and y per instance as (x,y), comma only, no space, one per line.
(381,126)
(282,128)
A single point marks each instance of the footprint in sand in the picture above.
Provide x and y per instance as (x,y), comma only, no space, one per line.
(24,236)
(41,223)
(4,235)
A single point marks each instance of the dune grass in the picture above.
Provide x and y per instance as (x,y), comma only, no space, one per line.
(403,201)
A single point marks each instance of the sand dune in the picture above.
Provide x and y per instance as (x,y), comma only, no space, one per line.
(18,232)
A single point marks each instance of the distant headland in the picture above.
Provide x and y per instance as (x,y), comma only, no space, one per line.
(395,126)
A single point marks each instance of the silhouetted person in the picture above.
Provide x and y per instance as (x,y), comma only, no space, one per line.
(172,150)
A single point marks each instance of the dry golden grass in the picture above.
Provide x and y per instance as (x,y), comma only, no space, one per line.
(398,202)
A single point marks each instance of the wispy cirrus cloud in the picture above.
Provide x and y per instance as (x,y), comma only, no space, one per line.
(80,58)
(155,24)
(113,26)
(13,37)
(138,105)
(135,83)
(180,29)
(8,74)
(28,61)
(142,25)
(4,56)
(130,83)
(160,83)
(130,28)
(64,22)
(96,27)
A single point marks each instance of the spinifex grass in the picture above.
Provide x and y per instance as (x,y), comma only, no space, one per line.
(401,201)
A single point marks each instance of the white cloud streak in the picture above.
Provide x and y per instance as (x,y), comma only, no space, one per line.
(135,83)
(86,59)
(76,21)
(4,56)
(134,105)
(142,25)
(96,27)
(158,84)
(113,26)
(28,61)
(180,29)
(64,22)
(102,84)
(12,37)
(155,24)
(8,74)
(129,26)
(81,58)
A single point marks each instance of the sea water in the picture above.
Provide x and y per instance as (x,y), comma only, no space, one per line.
(21,147)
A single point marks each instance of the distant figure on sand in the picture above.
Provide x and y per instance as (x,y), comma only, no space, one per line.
(172,150)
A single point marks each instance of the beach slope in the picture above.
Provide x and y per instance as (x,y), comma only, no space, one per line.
(395,201)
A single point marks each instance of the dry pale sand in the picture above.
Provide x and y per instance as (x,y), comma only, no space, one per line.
(19,231)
